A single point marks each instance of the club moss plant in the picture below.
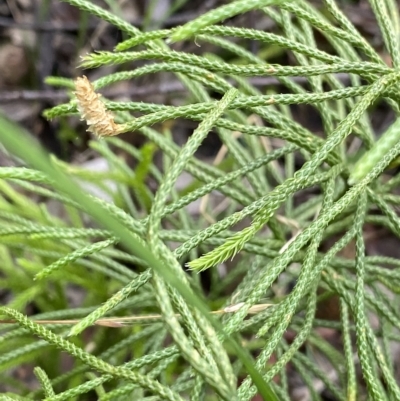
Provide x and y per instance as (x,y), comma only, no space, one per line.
(294,201)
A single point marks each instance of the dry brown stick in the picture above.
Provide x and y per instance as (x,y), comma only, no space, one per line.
(143,91)
(130,320)
(74,26)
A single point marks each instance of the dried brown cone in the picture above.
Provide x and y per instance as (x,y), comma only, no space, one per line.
(93,110)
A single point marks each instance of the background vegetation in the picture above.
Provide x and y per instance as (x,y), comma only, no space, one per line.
(231,247)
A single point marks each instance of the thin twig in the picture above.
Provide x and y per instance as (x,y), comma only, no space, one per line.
(129,320)
(143,91)
(74,26)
